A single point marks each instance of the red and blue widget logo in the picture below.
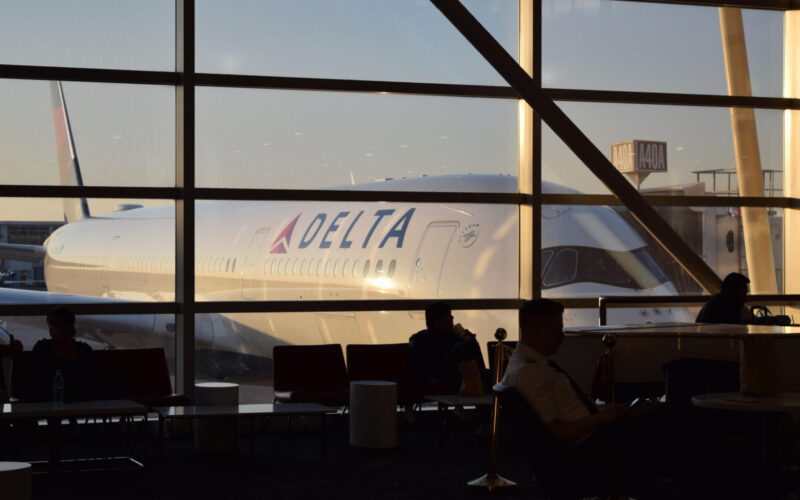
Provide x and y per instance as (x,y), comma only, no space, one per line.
(281,243)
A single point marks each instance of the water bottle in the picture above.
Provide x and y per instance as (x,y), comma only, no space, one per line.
(58,389)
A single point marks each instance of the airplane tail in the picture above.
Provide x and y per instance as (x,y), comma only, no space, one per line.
(74,208)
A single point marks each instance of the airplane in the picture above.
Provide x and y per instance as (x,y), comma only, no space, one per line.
(286,250)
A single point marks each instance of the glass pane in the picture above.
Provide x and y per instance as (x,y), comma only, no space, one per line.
(284,139)
(616,256)
(109,331)
(238,347)
(393,40)
(125,252)
(697,139)
(407,250)
(640,46)
(114,34)
(124,135)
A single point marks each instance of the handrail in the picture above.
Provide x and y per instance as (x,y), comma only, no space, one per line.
(683,300)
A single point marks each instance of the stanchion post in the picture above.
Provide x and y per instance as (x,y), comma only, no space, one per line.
(491,480)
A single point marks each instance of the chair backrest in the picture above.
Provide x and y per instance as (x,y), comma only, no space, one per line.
(316,368)
(132,373)
(541,447)
(378,362)
(118,374)
(23,378)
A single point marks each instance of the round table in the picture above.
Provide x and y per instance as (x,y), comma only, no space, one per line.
(15,480)
(373,414)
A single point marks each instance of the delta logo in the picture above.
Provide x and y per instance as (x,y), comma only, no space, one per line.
(322,231)
(281,243)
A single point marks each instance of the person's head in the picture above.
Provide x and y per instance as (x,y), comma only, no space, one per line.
(734,288)
(61,322)
(439,316)
(541,325)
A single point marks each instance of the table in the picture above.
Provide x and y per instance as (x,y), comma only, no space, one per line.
(123,408)
(243,410)
(770,408)
(640,350)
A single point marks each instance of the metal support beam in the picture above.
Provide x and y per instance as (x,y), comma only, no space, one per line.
(530,178)
(184,207)
(578,143)
(757,238)
(791,152)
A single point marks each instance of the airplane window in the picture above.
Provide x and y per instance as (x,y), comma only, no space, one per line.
(273,267)
(289,267)
(379,267)
(366,268)
(356,267)
(392,266)
(562,269)
(327,267)
(228,265)
(319,268)
(233,266)
(345,268)
(546,256)
(336,268)
(303,268)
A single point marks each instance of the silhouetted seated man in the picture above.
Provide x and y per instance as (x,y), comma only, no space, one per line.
(62,352)
(649,437)
(436,352)
(728,305)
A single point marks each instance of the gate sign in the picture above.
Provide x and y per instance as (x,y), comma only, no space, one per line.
(639,156)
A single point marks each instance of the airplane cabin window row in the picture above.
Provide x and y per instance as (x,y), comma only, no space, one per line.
(328,268)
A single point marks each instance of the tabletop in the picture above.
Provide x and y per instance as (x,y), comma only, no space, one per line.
(696,330)
(112,407)
(243,410)
(787,402)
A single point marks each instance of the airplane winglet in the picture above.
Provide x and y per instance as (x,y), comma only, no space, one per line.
(74,208)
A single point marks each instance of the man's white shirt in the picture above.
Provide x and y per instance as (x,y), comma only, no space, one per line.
(545,388)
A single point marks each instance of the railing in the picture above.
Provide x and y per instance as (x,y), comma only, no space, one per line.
(684,300)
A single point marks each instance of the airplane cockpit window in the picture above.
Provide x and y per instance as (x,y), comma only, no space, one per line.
(392,266)
(626,269)
(563,269)
(366,268)
(546,256)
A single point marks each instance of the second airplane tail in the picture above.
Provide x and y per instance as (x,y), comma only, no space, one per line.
(70,172)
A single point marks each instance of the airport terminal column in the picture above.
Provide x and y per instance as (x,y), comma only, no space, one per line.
(757,240)
(185,205)
(791,150)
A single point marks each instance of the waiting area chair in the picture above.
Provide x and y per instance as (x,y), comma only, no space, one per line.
(310,373)
(560,472)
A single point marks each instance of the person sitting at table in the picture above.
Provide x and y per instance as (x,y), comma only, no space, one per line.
(443,351)
(649,436)
(62,352)
(727,306)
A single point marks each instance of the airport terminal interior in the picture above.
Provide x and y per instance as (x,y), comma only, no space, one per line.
(247,208)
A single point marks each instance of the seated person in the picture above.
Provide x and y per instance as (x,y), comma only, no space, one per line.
(62,352)
(436,352)
(728,305)
(657,437)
